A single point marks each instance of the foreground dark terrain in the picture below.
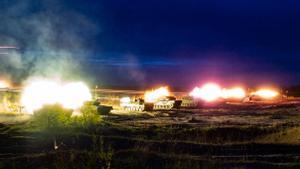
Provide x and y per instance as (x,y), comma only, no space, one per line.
(266,137)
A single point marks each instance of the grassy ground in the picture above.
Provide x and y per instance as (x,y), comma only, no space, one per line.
(207,138)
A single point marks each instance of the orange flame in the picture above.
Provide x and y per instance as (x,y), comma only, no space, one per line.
(266,93)
(4,84)
(154,95)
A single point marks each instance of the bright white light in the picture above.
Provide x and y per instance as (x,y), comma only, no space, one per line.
(74,94)
(208,92)
(233,93)
(39,93)
(196,92)
(44,92)
(125,100)
(4,84)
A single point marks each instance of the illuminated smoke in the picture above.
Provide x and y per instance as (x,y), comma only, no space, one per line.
(8,47)
(46,41)
(154,95)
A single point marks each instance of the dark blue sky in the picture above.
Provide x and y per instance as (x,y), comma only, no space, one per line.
(183,43)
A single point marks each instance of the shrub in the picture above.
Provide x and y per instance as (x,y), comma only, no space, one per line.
(88,117)
(52,117)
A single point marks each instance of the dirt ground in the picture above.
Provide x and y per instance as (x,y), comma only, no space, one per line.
(258,137)
(259,117)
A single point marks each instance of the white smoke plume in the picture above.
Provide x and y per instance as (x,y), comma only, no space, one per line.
(49,37)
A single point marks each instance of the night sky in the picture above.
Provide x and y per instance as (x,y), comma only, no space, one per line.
(180,43)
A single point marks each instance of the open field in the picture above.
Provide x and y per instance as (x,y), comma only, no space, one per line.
(203,138)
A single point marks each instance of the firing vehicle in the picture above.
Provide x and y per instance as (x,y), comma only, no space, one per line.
(10,101)
(167,103)
(265,95)
(190,102)
(102,109)
(135,105)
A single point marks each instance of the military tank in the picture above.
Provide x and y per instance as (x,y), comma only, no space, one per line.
(135,105)
(102,109)
(265,96)
(190,102)
(165,103)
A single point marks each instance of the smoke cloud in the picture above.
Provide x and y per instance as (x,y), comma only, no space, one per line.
(49,36)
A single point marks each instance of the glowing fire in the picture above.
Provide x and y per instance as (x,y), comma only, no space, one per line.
(125,101)
(4,84)
(43,92)
(266,93)
(39,93)
(233,93)
(208,92)
(74,94)
(153,95)
(211,92)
